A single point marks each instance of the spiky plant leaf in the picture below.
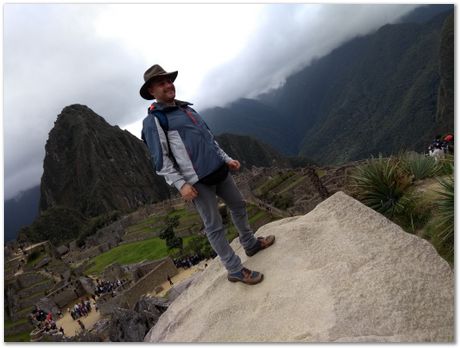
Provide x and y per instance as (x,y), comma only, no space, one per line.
(446,211)
(419,165)
(381,185)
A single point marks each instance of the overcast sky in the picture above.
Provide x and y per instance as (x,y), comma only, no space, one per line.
(55,55)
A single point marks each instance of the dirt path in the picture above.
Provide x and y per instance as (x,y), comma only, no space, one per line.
(71,327)
(182,275)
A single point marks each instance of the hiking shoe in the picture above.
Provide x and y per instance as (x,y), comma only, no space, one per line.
(246,276)
(262,243)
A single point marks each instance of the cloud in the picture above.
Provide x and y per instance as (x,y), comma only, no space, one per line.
(287,39)
(53,59)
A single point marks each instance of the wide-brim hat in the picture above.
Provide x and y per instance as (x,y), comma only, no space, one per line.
(150,75)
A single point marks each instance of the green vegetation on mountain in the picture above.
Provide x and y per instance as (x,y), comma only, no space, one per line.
(61,225)
(378,93)
(251,152)
(57,224)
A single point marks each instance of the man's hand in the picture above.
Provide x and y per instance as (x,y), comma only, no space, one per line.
(188,192)
(234,165)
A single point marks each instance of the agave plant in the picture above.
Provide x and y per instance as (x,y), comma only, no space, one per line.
(444,227)
(382,186)
(446,165)
(419,165)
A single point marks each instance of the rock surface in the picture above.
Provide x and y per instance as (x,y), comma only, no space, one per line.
(341,273)
(132,325)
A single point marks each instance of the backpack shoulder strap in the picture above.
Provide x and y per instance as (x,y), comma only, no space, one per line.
(163,120)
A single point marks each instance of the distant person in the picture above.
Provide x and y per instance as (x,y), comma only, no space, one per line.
(170,281)
(184,151)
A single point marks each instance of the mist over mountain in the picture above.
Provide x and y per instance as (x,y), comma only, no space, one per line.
(20,211)
(375,94)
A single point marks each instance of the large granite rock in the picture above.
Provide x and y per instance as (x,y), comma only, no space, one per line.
(341,273)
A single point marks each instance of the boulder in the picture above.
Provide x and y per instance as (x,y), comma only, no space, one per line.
(62,250)
(42,263)
(341,273)
(48,305)
(132,325)
(87,284)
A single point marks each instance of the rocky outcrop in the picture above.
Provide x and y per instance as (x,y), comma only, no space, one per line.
(95,168)
(341,273)
(132,325)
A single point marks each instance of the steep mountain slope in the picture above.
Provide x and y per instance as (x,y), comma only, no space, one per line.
(251,152)
(388,98)
(250,117)
(445,114)
(374,94)
(94,168)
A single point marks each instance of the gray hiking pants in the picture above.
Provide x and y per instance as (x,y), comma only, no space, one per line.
(206,205)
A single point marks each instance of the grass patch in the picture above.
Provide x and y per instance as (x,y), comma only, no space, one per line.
(297,182)
(20,337)
(35,257)
(259,215)
(271,184)
(149,249)
(320,173)
(9,323)
(146,226)
(23,312)
(179,212)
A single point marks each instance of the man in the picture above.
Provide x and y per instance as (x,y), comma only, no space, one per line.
(184,151)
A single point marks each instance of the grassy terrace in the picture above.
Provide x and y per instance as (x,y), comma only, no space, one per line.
(149,249)
(274,183)
(21,337)
(154,248)
(154,224)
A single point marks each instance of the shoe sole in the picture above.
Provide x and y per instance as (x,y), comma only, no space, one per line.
(235,280)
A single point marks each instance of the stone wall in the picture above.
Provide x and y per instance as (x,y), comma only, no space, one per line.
(38,287)
(66,294)
(150,281)
(141,270)
(146,284)
(28,279)
(115,271)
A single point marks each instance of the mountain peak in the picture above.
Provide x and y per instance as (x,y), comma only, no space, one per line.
(94,167)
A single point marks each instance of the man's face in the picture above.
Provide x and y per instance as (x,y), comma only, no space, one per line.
(163,89)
